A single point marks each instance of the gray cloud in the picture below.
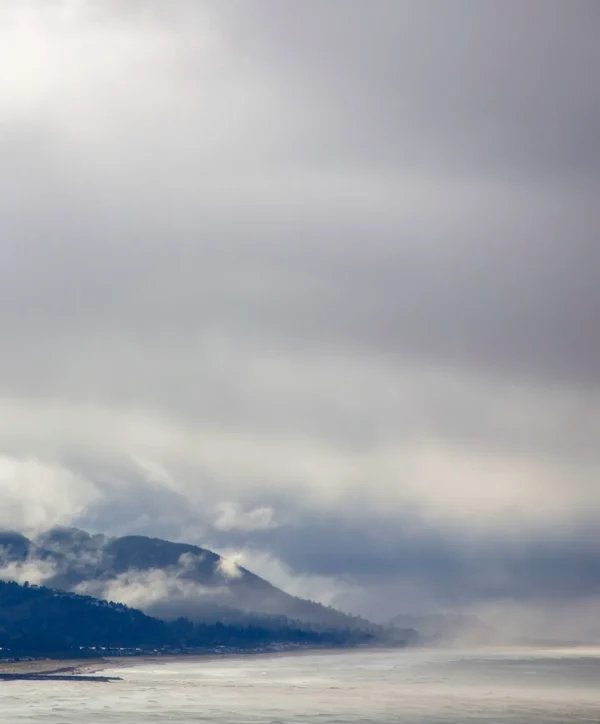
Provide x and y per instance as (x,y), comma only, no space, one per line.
(264,269)
(501,87)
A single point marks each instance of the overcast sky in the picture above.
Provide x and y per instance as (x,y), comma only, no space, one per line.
(315,281)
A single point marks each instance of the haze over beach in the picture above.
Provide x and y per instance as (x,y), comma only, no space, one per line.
(311,289)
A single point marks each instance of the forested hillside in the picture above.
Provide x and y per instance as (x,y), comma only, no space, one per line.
(37,620)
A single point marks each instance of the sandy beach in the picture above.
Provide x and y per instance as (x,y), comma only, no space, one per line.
(54,666)
(81,667)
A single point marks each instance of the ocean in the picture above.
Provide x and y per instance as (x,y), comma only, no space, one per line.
(410,686)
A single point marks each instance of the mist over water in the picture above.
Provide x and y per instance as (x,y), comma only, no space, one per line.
(524,686)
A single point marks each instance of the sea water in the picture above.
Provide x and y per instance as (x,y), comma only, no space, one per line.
(410,686)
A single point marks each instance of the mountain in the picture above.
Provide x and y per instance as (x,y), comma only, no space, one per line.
(168,580)
(36,620)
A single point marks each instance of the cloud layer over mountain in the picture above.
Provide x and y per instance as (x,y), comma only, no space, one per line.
(310,282)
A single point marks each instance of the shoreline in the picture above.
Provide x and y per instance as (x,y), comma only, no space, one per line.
(86,667)
(131,661)
(116,662)
(92,666)
(51,667)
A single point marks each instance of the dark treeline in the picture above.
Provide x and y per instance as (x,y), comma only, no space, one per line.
(38,620)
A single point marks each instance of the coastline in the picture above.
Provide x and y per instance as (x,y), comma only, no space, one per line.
(86,667)
(93,666)
(53,666)
(115,662)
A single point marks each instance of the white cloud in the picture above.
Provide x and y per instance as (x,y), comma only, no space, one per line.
(382,437)
(36,495)
(229,566)
(32,570)
(152,588)
(231,517)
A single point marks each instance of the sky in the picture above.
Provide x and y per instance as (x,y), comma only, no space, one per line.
(313,284)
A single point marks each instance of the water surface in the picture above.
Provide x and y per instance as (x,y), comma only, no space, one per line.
(413,687)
